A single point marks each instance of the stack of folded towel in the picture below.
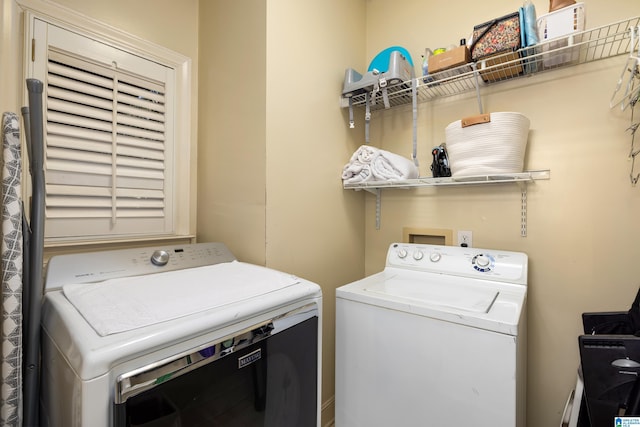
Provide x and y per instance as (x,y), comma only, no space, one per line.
(373,164)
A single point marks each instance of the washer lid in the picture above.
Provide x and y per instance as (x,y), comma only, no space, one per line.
(461,296)
(484,304)
(119,305)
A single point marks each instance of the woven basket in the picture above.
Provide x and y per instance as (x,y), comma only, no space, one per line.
(487,144)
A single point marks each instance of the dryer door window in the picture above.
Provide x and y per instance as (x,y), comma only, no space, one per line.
(258,378)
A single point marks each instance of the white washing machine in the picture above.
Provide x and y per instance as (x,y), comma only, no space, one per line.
(178,337)
(437,338)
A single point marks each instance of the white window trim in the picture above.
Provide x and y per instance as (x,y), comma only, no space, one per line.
(184,191)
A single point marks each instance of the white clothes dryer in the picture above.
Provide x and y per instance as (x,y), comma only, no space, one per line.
(437,338)
(179,336)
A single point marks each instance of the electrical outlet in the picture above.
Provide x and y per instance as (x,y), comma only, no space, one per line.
(465,239)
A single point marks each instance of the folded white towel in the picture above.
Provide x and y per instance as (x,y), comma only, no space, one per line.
(356,172)
(373,164)
(365,154)
(389,166)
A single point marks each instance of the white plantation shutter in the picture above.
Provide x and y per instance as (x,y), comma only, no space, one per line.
(105,140)
(108,141)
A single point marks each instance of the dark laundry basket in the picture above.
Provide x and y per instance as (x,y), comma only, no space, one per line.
(610,362)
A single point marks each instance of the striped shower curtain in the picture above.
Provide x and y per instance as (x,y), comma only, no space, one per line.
(11,263)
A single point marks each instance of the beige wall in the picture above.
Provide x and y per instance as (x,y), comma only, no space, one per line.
(167,23)
(232,137)
(314,228)
(10,57)
(273,141)
(582,223)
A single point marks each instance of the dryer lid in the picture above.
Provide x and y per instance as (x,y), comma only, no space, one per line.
(119,305)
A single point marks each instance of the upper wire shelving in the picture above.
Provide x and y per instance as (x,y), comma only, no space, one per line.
(577,48)
(574,49)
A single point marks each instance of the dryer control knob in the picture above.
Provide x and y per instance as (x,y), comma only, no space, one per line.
(160,258)
(418,255)
(435,257)
(402,253)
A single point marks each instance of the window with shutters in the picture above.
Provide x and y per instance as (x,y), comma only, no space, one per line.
(110,136)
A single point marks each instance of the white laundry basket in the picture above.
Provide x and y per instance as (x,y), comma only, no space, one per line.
(487,144)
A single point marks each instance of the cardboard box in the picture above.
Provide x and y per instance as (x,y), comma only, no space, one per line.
(449,59)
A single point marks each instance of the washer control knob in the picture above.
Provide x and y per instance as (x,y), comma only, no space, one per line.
(418,255)
(483,260)
(160,258)
(435,256)
(402,253)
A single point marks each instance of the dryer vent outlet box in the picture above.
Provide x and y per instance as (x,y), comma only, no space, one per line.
(427,236)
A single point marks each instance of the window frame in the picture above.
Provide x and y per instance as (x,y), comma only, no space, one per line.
(183,186)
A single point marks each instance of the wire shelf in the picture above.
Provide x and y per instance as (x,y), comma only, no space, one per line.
(468,180)
(574,49)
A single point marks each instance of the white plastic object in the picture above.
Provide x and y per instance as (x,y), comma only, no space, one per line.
(561,24)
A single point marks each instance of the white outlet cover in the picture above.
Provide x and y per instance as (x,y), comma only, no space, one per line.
(465,237)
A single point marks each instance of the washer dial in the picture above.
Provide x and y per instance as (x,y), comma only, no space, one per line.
(483,262)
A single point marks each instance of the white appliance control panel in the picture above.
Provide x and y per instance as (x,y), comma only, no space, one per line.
(453,260)
(98,266)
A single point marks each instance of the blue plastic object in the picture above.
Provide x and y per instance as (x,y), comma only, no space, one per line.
(208,352)
(381,60)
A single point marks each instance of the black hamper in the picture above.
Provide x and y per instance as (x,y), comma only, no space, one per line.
(610,361)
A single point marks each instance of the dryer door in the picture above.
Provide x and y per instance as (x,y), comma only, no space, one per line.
(267,377)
